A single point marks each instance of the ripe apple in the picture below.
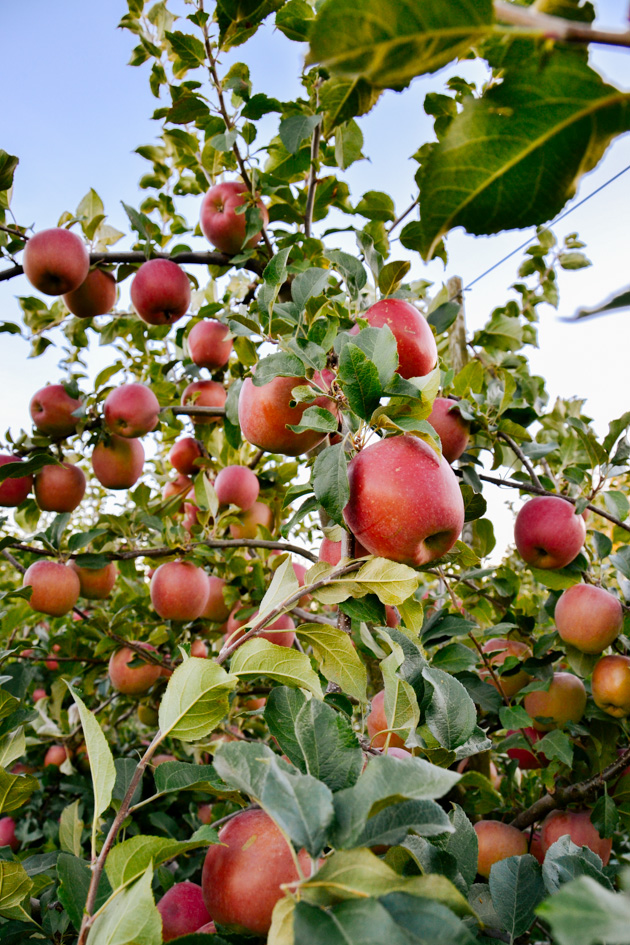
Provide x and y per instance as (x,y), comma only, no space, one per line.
(118,463)
(160,292)
(199,649)
(191,517)
(237,485)
(179,590)
(183,455)
(96,583)
(177,487)
(252,703)
(588,617)
(14,491)
(132,680)
(417,350)
(271,632)
(527,760)
(392,616)
(405,502)
(376,722)
(243,874)
(162,759)
(208,929)
(497,841)
(182,910)
(51,410)
(264,413)
(204,394)
(577,825)
(564,701)
(56,755)
(7,834)
(59,488)
(208,346)
(221,224)
(514,682)
(51,663)
(258,514)
(300,573)
(55,587)
(56,261)
(95,296)
(204,813)
(39,694)
(131,410)
(216,609)
(548,533)
(450,426)
(611,685)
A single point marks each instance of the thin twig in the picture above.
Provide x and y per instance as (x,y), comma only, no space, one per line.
(523,458)
(402,216)
(556,28)
(13,232)
(312,180)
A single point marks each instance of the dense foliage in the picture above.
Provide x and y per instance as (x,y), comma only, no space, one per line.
(441,742)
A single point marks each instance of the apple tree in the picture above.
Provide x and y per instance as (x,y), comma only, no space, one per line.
(261,676)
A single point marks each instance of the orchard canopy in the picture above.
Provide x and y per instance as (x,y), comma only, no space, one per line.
(262,677)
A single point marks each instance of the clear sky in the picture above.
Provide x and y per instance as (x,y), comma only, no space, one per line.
(74,112)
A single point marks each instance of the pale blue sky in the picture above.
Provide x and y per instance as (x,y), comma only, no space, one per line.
(74,112)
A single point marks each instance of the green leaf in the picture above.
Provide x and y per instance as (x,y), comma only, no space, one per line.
(316,418)
(343,99)
(387,780)
(259,657)
(181,776)
(15,790)
(205,495)
(451,714)
(296,129)
(389,827)
(556,580)
(428,922)
(444,315)
(275,272)
(360,381)
(328,745)
(277,365)
(8,164)
(350,268)
(555,744)
(15,886)
(71,829)
(239,20)
(364,922)
(380,345)
(392,583)
(129,917)
(74,881)
(514,716)
(188,48)
(130,859)
(338,659)
(348,144)
(584,913)
(294,20)
(309,284)
(281,712)
(491,170)
(395,40)
(196,699)
(517,888)
(462,844)
(329,479)
(284,585)
(391,275)
(565,861)
(299,804)
(605,816)
(101,761)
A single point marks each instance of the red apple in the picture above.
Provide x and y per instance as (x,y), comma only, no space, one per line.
(56,755)
(577,825)
(56,261)
(392,616)
(181,487)
(7,834)
(191,517)
(216,609)
(330,551)
(258,514)
(208,929)
(131,410)
(208,346)
(39,694)
(405,502)
(179,591)
(204,394)
(96,583)
(51,410)
(450,426)
(611,685)
(182,910)
(242,876)
(527,760)
(497,841)
(199,649)
(132,680)
(221,224)
(95,296)
(118,463)
(55,587)
(204,813)
(417,350)
(377,726)
(160,292)
(183,455)
(264,413)
(514,682)
(237,485)
(59,488)
(281,632)
(564,701)
(589,618)
(548,533)
(14,491)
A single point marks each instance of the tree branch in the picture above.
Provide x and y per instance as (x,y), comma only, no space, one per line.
(312,180)
(523,458)
(556,28)
(571,794)
(403,215)
(344,622)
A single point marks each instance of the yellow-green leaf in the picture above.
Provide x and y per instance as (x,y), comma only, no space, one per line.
(196,699)
(338,658)
(261,658)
